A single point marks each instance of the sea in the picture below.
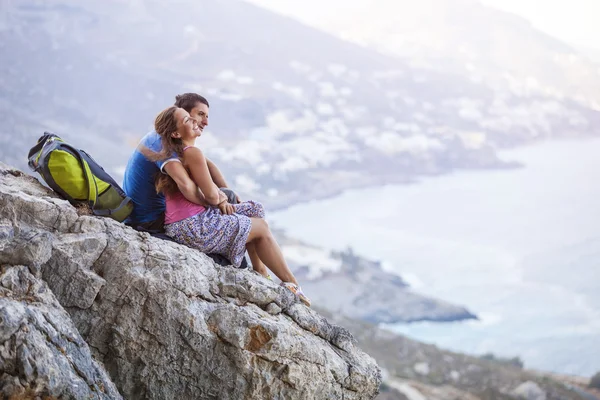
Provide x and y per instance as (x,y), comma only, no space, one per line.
(520,248)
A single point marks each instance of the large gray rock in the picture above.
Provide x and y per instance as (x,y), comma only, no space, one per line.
(41,353)
(169,323)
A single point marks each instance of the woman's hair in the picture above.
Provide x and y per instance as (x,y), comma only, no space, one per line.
(165,125)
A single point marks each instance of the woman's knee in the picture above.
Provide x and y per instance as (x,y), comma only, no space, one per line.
(259,229)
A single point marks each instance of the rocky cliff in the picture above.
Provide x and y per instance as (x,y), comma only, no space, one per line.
(86,302)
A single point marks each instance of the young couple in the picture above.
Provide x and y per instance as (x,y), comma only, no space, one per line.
(172,184)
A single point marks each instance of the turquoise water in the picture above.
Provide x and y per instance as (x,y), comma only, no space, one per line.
(520,248)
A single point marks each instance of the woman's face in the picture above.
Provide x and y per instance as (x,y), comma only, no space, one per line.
(187,127)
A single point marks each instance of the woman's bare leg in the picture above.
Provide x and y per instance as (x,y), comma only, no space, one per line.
(257,265)
(268,250)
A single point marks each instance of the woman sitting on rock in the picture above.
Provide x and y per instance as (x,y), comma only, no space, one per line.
(221,228)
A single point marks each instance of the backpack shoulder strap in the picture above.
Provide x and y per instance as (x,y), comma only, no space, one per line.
(87,173)
(110,211)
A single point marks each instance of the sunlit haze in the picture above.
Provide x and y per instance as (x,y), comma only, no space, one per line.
(573,21)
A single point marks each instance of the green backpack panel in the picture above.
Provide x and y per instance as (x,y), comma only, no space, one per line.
(74,175)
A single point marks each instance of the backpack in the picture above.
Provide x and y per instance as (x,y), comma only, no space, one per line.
(76,177)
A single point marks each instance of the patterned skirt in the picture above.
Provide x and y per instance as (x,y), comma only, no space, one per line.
(214,233)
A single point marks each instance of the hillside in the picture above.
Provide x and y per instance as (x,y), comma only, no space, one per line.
(295,113)
(414,371)
(496,48)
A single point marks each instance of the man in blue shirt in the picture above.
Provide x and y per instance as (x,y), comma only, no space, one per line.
(138,182)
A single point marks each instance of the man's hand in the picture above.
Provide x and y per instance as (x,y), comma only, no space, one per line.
(237,198)
(226,208)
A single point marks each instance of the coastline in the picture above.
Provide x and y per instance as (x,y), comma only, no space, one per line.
(362,179)
(337,188)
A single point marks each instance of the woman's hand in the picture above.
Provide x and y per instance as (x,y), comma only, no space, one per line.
(226,208)
(222,197)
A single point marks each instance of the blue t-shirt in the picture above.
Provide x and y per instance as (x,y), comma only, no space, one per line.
(138,182)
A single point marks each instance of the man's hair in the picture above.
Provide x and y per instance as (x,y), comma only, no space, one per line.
(187,101)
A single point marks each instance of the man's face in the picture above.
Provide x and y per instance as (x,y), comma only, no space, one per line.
(200,114)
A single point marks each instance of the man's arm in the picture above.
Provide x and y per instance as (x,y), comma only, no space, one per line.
(218,177)
(216,174)
(186,185)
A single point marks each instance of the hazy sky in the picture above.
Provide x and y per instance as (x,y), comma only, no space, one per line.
(573,21)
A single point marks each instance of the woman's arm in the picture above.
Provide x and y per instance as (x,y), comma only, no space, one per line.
(196,163)
(185,184)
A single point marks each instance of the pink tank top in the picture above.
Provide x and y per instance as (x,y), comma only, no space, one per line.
(180,208)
